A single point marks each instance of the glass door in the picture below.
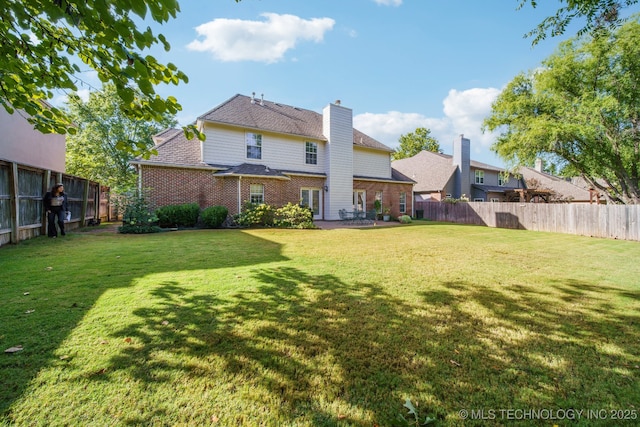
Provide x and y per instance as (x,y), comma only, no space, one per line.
(310,197)
(359,200)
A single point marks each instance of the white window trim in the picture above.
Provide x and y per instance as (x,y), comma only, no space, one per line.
(256,141)
(251,193)
(307,153)
(403,206)
(478,199)
(479,174)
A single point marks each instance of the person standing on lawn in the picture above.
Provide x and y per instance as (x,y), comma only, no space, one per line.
(55,203)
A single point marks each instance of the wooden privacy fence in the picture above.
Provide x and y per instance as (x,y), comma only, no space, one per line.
(609,221)
(22,189)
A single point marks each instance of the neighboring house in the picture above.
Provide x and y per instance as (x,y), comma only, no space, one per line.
(439,176)
(265,152)
(543,187)
(21,143)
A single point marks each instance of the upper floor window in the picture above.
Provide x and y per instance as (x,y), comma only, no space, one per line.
(256,193)
(254,145)
(311,153)
(502,181)
(403,202)
(479,177)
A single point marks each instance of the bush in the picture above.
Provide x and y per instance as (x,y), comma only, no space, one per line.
(137,217)
(405,219)
(185,215)
(256,214)
(214,216)
(294,216)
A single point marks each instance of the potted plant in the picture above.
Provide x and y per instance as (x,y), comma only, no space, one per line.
(387,214)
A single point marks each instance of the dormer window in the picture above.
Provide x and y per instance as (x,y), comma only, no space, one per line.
(254,145)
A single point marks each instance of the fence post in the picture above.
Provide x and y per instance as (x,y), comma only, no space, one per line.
(15,203)
(85,201)
(45,188)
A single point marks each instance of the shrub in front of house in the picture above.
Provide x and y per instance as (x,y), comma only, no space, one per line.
(137,217)
(256,214)
(214,216)
(294,216)
(405,219)
(184,215)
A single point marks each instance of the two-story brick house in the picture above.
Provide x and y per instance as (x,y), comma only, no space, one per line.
(262,151)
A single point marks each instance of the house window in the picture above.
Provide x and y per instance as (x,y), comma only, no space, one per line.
(403,202)
(502,181)
(311,153)
(256,193)
(478,199)
(254,146)
(495,200)
(479,177)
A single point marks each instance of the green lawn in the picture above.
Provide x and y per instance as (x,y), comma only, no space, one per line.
(318,327)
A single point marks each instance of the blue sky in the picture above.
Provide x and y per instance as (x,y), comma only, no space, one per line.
(398,64)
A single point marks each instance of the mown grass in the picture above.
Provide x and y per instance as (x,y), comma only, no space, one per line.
(317,327)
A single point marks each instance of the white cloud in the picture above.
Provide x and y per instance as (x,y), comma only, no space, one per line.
(463,111)
(389,2)
(387,127)
(467,109)
(263,41)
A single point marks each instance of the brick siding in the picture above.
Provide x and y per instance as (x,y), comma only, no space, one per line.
(171,186)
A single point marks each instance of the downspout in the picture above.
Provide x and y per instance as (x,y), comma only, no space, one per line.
(239,194)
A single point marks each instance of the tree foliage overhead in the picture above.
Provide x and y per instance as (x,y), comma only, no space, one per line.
(94,152)
(44,41)
(414,142)
(598,14)
(581,109)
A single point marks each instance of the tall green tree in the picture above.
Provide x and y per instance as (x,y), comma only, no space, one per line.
(95,152)
(597,13)
(581,110)
(43,44)
(414,142)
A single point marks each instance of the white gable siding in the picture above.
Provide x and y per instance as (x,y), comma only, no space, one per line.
(226,146)
(371,163)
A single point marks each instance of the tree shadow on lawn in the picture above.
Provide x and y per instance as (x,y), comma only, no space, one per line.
(570,345)
(43,318)
(313,350)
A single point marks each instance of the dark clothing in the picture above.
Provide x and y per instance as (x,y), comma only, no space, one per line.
(55,207)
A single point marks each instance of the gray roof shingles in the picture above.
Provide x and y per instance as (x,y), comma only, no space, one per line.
(279,118)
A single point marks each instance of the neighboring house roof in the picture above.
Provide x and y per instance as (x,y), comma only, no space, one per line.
(271,116)
(431,171)
(492,188)
(562,188)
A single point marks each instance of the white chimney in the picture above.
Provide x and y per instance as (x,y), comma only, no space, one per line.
(539,165)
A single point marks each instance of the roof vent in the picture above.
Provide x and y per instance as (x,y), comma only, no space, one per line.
(337,102)
(262,99)
(253,97)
